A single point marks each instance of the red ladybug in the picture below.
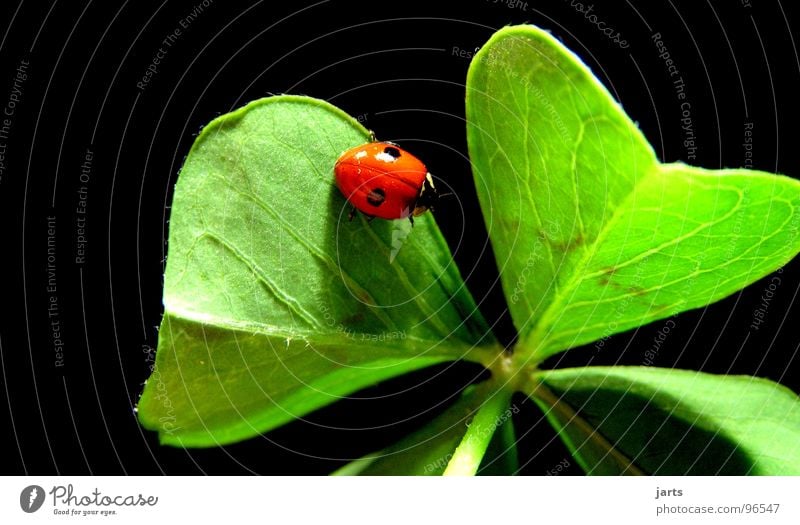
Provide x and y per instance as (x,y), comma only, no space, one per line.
(380,179)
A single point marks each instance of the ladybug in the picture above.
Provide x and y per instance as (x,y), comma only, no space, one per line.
(380,179)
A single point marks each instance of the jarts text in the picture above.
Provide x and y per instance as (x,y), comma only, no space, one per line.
(663,493)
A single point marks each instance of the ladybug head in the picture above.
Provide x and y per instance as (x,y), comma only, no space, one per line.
(427,198)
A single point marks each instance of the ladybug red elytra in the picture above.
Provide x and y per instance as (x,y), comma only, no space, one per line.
(380,179)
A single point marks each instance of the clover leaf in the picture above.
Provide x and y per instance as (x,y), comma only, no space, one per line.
(275,305)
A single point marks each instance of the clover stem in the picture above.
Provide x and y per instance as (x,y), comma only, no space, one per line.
(492,414)
(577,432)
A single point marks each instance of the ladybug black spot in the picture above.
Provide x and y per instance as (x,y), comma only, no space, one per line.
(376,197)
(391,150)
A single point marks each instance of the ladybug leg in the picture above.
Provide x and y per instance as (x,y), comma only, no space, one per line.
(352,214)
(411,218)
(372,137)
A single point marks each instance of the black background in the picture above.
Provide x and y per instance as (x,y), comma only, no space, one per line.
(395,66)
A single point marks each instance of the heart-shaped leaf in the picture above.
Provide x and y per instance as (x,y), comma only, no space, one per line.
(623,420)
(275,304)
(591,234)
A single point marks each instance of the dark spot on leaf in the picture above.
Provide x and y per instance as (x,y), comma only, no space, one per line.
(611,270)
(605,280)
(376,197)
(353,320)
(656,310)
(636,290)
(607,274)
(565,246)
(364,297)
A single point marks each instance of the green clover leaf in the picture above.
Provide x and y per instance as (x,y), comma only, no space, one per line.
(275,305)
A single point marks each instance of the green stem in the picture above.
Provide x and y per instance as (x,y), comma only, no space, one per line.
(509,443)
(577,432)
(467,457)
